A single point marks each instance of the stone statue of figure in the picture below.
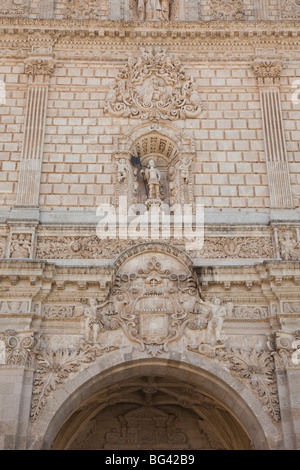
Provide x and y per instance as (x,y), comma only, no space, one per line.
(93,324)
(153,10)
(217,313)
(152,177)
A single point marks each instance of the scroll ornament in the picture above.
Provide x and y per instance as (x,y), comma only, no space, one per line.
(154,86)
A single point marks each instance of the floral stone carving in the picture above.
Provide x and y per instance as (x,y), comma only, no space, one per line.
(55,366)
(153,85)
(227,10)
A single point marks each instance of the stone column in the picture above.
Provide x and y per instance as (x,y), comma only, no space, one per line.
(261,10)
(268,76)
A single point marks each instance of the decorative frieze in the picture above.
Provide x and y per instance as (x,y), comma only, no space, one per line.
(250,311)
(91,247)
(14,306)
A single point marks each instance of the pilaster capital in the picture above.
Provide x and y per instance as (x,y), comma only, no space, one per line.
(268,72)
(39,69)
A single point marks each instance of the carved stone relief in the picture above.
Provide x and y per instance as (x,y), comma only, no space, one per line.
(82,9)
(250,311)
(154,306)
(154,10)
(153,85)
(18,347)
(227,10)
(91,247)
(290,9)
(21,245)
(14,7)
(14,306)
(55,366)
(289,245)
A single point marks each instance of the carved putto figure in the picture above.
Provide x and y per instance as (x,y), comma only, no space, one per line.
(289,247)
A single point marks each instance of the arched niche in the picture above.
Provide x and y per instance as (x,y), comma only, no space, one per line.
(173,156)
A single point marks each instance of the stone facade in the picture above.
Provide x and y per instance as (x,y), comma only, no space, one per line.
(141,340)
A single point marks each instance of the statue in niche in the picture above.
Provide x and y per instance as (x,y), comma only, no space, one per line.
(153,10)
(152,176)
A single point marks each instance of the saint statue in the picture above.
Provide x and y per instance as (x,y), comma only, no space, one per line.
(153,10)
(152,177)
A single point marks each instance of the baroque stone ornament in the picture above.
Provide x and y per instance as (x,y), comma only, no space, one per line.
(257,369)
(14,7)
(290,9)
(156,306)
(18,347)
(267,72)
(20,246)
(227,10)
(55,366)
(289,246)
(82,9)
(154,86)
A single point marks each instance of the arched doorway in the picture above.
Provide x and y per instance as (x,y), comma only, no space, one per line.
(160,406)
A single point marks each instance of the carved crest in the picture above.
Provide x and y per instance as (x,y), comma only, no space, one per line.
(153,306)
(153,85)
